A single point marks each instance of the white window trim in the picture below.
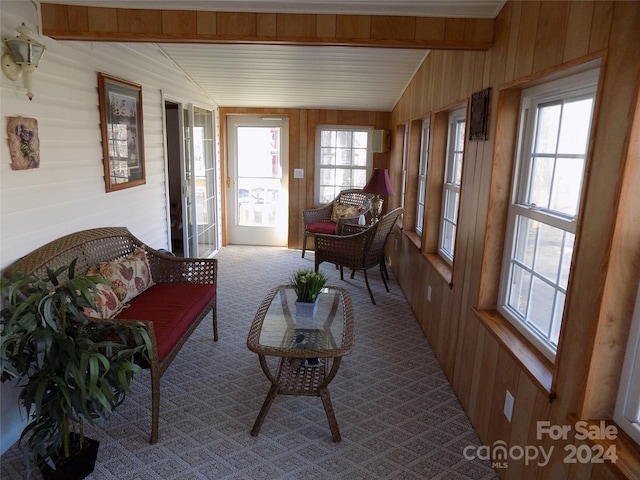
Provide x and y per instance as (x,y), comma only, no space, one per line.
(405,161)
(448,187)
(627,411)
(345,128)
(584,83)
(421,202)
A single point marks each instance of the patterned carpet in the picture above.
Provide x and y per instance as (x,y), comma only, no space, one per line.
(399,417)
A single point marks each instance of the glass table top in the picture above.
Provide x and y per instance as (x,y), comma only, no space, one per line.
(278,329)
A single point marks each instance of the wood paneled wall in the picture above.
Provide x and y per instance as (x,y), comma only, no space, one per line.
(303,124)
(534,41)
(68,22)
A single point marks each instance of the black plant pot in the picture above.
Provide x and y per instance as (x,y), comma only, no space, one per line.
(78,466)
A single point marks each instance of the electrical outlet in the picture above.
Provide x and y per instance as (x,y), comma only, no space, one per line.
(508,405)
(429,293)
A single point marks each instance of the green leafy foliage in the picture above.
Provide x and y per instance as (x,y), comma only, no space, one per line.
(308,284)
(70,368)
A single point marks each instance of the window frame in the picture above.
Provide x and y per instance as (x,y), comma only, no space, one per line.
(629,389)
(318,164)
(580,85)
(405,166)
(449,187)
(422,191)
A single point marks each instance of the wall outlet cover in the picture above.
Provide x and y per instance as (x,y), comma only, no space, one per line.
(508,405)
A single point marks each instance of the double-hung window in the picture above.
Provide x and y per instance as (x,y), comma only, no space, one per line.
(555,122)
(405,162)
(343,160)
(422,175)
(451,185)
(627,412)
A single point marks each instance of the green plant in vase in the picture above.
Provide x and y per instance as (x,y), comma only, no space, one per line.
(307,284)
(70,368)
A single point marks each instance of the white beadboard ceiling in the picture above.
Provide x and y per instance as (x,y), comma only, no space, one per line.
(283,76)
(297,76)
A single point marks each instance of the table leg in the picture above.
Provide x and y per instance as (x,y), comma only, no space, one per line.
(273,391)
(328,408)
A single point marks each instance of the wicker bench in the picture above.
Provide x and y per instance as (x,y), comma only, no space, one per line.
(184,291)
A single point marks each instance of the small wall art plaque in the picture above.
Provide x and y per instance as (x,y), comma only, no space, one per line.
(24,144)
(479,115)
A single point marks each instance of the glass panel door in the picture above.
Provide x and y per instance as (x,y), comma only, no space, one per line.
(204,177)
(189,240)
(258,197)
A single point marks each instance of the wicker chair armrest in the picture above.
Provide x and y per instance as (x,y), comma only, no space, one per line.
(316,215)
(351,228)
(169,269)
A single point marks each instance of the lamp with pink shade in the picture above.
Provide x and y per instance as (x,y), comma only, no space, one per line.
(378,184)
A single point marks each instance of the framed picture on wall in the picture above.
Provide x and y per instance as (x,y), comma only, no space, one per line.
(479,115)
(122,133)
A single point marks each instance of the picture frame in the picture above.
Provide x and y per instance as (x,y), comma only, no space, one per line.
(122,133)
(479,115)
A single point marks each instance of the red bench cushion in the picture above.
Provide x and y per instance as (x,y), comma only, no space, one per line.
(322,227)
(172,307)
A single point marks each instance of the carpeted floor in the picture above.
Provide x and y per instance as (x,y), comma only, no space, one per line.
(399,417)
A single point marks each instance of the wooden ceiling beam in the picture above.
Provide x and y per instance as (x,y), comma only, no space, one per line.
(68,22)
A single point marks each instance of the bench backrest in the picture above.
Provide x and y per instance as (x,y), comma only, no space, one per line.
(89,247)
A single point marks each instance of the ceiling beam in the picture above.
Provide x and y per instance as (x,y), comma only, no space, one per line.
(68,22)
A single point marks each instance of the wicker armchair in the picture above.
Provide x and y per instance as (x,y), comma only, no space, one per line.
(358,251)
(319,220)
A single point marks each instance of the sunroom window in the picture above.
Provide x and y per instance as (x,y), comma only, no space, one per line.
(627,412)
(451,185)
(405,162)
(343,161)
(555,122)
(422,175)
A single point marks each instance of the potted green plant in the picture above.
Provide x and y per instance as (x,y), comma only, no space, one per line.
(307,284)
(70,368)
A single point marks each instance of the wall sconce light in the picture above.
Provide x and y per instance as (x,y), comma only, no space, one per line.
(23,57)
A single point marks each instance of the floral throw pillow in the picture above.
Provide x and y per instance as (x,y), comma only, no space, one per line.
(130,275)
(107,303)
(340,210)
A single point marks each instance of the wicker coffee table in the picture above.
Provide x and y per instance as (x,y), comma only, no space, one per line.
(310,348)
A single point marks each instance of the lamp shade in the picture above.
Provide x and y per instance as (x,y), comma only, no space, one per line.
(379,183)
